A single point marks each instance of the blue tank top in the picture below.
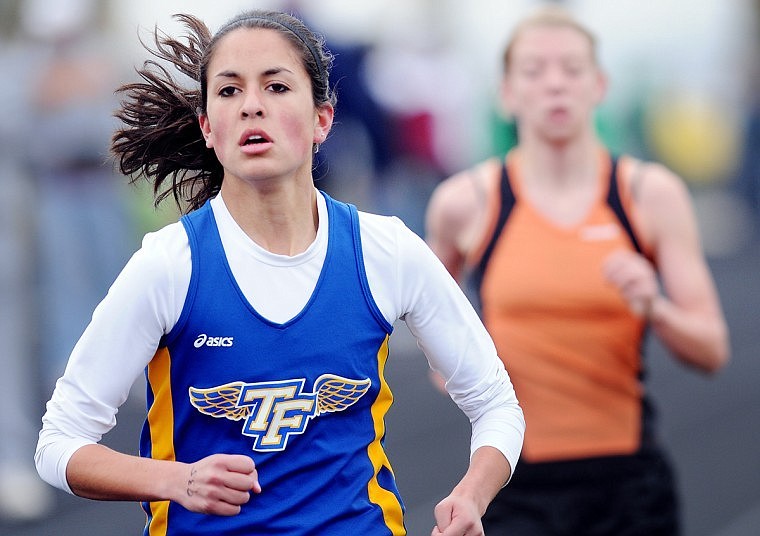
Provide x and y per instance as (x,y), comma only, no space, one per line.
(305,399)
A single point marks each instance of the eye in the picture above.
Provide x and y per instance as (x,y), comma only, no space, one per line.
(228,91)
(574,69)
(530,68)
(277,87)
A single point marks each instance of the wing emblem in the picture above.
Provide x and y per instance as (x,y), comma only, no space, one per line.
(335,393)
(274,411)
(220,401)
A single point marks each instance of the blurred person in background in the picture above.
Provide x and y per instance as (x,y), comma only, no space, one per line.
(85,231)
(23,496)
(261,320)
(575,253)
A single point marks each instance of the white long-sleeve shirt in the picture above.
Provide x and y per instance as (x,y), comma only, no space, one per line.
(406,280)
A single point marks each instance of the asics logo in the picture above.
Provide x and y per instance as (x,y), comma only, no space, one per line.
(205,340)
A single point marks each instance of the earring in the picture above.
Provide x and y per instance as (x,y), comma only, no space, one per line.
(316,148)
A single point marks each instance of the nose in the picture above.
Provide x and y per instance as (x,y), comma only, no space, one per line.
(556,78)
(252,105)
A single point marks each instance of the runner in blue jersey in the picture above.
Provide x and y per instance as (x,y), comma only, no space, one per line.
(261,319)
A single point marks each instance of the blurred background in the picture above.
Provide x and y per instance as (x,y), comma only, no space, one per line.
(416,84)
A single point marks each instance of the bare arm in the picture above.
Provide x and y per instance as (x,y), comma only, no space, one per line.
(459,514)
(688,317)
(218,484)
(454,217)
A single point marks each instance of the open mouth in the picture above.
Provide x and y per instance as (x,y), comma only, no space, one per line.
(254,140)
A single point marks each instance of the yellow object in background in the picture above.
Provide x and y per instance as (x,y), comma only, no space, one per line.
(693,136)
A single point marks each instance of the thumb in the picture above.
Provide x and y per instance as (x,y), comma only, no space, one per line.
(443,515)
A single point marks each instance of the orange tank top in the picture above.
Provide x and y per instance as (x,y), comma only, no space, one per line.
(567,337)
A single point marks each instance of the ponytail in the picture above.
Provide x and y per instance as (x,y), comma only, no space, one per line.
(160,140)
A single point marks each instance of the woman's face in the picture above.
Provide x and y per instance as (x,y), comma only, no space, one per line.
(260,116)
(553,83)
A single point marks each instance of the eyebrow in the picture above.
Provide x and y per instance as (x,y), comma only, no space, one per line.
(269,72)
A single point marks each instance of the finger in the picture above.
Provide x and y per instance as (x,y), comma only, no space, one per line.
(615,259)
(617,270)
(239,463)
(223,508)
(240,482)
(623,264)
(442,514)
(234,497)
(243,465)
(455,528)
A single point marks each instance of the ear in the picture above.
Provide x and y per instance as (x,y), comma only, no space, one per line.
(602,83)
(206,129)
(506,102)
(323,122)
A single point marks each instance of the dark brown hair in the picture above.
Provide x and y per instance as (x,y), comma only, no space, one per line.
(161,140)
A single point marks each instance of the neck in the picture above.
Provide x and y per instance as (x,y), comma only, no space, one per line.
(560,164)
(281,220)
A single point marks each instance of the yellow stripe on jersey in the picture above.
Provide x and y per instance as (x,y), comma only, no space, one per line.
(385,499)
(161,424)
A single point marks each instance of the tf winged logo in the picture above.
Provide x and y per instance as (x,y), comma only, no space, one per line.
(273,411)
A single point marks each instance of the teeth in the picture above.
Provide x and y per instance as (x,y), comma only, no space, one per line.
(255,137)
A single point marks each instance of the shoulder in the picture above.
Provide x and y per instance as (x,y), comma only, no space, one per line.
(457,206)
(163,257)
(648,181)
(384,233)
(392,247)
(458,195)
(661,197)
(397,262)
(153,283)
(654,187)
(170,240)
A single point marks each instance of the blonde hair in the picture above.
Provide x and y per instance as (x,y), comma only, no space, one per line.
(548,16)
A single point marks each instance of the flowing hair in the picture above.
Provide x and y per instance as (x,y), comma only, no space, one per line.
(160,139)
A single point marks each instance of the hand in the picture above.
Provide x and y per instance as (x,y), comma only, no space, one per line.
(457,516)
(635,278)
(219,484)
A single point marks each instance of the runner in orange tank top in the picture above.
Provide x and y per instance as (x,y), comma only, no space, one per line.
(567,246)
